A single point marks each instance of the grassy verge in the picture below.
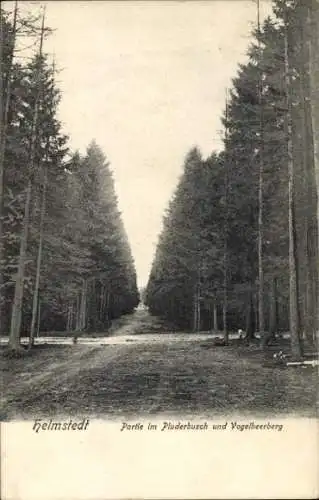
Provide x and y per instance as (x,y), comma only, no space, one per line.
(172,378)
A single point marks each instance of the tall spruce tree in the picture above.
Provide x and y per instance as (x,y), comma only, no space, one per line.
(286,147)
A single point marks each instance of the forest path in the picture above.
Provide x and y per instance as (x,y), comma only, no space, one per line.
(141,321)
(67,363)
(145,369)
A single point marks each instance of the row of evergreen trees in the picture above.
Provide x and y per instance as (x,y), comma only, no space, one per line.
(239,245)
(65,258)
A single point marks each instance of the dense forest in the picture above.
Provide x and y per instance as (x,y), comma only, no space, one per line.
(66,263)
(239,243)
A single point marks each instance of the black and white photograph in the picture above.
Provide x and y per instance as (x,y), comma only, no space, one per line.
(159,237)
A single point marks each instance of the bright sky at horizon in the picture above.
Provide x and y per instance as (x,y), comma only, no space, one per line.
(147,81)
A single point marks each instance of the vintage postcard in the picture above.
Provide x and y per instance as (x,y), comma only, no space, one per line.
(159,178)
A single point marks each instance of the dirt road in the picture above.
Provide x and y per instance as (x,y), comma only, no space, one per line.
(144,369)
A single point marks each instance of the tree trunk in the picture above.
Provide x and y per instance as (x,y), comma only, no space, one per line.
(250,317)
(69,325)
(3,141)
(293,278)
(100,304)
(310,242)
(77,318)
(225,329)
(195,308)
(71,317)
(93,318)
(260,197)
(107,298)
(83,305)
(39,318)
(104,307)
(215,321)
(68,320)
(225,291)
(256,317)
(313,25)
(225,257)
(198,327)
(273,308)
(14,339)
(39,258)
(260,261)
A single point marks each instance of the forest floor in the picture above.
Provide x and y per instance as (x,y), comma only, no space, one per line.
(145,369)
